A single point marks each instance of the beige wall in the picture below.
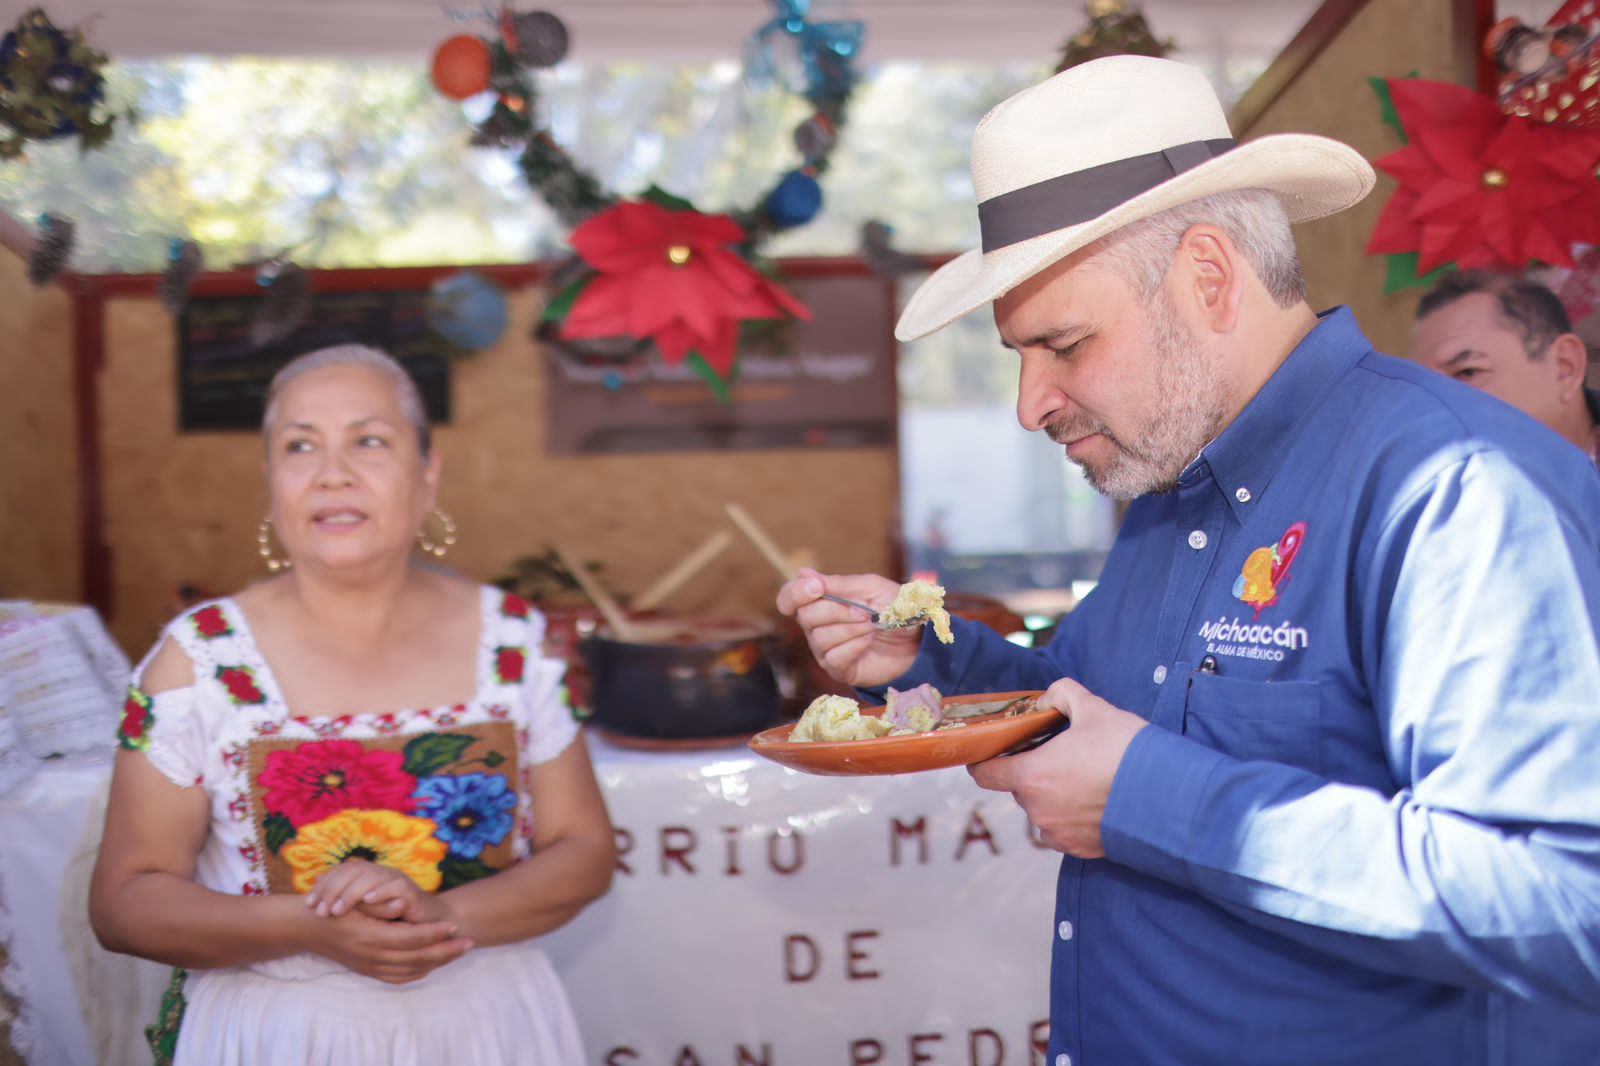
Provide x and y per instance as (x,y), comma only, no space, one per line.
(1387,38)
(184,508)
(38,449)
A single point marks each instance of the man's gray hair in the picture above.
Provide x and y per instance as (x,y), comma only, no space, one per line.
(406,393)
(1253,219)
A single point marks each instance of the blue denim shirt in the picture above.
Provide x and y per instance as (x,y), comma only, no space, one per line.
(1365,826)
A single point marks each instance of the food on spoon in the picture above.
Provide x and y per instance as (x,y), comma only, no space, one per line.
(838,718)
(918,600)
(917,710)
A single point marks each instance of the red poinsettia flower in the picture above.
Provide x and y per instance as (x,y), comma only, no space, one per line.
(210,622)
(320,778)
(673,277)
(240,682)
(508,664)
(513,606)
(1480,188)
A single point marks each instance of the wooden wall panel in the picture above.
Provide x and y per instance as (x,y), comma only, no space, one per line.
(38,450)
(1330,96)
(184,508)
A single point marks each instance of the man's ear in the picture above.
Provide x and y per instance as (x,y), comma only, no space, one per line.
(1569,358)
(1210,274)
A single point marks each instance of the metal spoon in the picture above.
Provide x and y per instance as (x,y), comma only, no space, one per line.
(872,612)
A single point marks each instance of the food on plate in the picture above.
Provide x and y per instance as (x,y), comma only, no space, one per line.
(917,710)
(838,718)
(909,713)
(918,600)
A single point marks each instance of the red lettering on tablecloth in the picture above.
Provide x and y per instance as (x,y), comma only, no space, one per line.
(677,852)
(995,1043)
(676,846)
(985,1047)
(624,845)
(865,1052)
(687,1056)
(854,953)
(977,830)
(917,830)
(792,973)
(802,958)
(796,860)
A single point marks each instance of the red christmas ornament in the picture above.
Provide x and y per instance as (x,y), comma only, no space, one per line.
(1480,188)
(461,67)
(1551,74)
(672,277)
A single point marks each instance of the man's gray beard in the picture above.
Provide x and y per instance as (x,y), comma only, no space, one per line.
(1186,415)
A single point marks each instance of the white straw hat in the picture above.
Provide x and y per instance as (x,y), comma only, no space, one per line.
(1106,143)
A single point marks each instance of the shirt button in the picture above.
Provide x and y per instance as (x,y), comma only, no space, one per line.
(1063,1059)
(1242,494)
(1160,676)
(1197,539)
(1065,929)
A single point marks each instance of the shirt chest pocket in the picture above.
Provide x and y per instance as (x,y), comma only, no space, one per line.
(1277,721)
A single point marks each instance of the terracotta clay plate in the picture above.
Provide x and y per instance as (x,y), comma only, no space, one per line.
(996,722)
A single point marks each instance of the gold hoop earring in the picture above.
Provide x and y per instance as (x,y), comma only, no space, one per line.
(447,538)
(264,547)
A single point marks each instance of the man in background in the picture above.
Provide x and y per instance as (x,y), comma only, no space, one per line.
(1511,338)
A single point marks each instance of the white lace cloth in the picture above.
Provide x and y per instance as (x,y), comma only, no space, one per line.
(76,1002)
(65,678)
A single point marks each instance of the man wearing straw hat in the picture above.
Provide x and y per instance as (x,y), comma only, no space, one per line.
(1329,793)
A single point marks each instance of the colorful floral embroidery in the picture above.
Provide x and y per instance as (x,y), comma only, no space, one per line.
(395,840)
(162,1034)
(513,606)
(508,664)
(319,778)
(133,733)
(240,681)
(472,811)
(211,623)
(331,727)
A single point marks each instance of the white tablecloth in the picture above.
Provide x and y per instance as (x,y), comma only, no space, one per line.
(771,917)
(763,917)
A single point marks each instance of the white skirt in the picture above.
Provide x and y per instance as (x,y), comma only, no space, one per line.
(501,1006)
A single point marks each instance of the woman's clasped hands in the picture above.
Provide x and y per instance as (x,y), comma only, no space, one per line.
(379,923)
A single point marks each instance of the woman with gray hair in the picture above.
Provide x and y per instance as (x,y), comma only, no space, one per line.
(351,795)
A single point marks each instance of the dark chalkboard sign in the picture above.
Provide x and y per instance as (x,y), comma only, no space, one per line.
(223,375)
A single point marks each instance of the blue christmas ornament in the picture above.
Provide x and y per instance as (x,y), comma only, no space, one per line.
(795,201)
(468,310)
(826,50)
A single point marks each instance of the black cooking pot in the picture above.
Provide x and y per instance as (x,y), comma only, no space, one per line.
(684,681)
